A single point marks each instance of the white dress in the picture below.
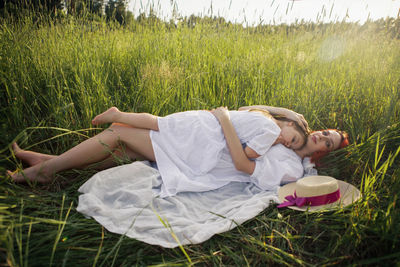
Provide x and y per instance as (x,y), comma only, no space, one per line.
(192,155)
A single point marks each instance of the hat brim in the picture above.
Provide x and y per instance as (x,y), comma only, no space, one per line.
(348,195)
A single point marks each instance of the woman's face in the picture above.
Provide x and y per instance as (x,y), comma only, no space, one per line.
(327,140)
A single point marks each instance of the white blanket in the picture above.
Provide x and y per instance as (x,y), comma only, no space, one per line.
(125,200)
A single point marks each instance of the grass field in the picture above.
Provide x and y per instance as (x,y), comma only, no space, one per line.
(54,78)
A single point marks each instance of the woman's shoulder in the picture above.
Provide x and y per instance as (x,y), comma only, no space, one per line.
(278,164)
(282,153)
(277,157)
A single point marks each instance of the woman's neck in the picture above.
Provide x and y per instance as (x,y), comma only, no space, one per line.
(303,152)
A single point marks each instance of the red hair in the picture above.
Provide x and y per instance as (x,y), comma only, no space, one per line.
(318,155)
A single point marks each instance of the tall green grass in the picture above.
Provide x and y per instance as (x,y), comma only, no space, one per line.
(55,77)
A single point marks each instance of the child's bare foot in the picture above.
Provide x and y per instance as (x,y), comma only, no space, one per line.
(36,173)
(106,117)
(30,157)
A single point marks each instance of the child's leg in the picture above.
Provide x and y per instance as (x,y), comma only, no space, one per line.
(91,151)
(137,120)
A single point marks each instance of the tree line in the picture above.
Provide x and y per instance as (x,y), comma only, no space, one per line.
(110,9)
(116,10)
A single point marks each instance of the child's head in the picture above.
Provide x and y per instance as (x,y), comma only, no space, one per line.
(292,134)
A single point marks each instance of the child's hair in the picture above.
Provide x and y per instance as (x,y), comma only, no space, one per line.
(317,156)
(301,130)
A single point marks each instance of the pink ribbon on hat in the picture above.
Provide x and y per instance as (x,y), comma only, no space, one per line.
(310,201)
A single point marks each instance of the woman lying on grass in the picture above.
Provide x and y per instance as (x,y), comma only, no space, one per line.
(190,148)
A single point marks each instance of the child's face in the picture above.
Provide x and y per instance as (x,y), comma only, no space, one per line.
(290,136)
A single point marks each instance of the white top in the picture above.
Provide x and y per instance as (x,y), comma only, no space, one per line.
(192,154)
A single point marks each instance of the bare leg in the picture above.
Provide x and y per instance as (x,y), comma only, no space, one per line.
(91,151)
(108,116)
(30,157)
(137,120)
(33,158)
(115,158)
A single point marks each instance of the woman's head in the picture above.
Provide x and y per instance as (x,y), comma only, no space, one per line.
(320,143)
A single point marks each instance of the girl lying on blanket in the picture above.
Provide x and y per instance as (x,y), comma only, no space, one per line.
(191,151)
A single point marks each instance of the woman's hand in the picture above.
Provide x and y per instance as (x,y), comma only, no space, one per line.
(221,113)
(297,117)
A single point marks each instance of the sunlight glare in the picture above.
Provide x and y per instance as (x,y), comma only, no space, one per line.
(331,48)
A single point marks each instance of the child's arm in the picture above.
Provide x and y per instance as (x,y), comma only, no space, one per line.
(290,114)
(241,161)
(137,120)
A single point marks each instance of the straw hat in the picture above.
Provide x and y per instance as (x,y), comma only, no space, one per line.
(315,193)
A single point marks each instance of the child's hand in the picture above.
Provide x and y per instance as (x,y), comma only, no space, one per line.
(221,113)
(282,141)
(278,140)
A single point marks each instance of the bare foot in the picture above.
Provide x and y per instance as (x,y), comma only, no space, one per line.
(30,157)
(36,173)
(107,116)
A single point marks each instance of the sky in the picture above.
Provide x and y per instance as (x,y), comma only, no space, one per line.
(255,12)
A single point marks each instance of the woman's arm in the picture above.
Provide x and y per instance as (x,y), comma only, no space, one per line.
(241,161)
(250,153)
(290,114)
